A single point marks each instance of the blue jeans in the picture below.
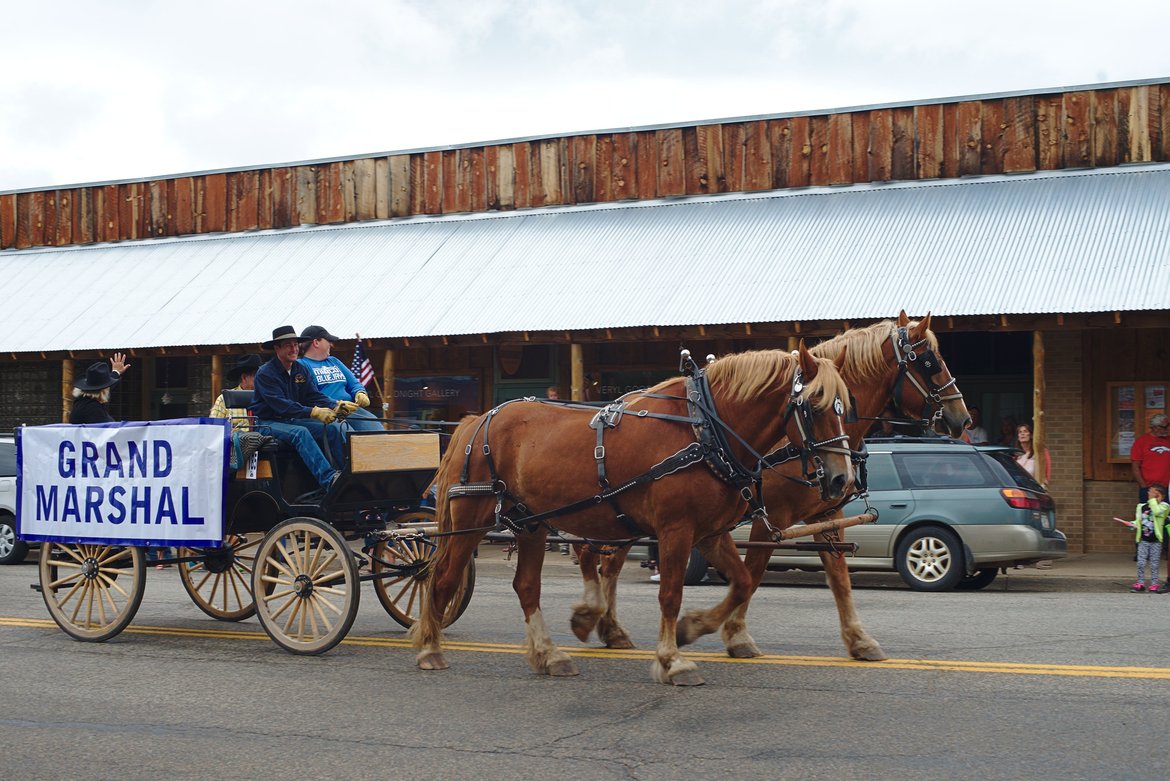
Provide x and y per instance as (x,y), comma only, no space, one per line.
(304,434)
(364,420)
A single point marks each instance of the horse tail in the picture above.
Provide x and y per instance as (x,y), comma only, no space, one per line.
(427,630)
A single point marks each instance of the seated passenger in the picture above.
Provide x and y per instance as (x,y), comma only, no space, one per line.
(334,378)
(289,406)
(245,442)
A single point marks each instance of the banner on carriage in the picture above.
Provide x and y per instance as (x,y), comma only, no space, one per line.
(134,483)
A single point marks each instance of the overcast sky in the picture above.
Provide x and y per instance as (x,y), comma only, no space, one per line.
(94,91)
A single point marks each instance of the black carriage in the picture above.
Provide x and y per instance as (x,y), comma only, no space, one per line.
(291,555)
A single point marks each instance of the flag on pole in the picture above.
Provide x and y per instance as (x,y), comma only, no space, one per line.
(361,365)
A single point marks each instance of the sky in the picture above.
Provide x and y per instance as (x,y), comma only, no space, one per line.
(99,91)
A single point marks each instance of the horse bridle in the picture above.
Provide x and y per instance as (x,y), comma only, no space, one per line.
(925,365)
(809,450)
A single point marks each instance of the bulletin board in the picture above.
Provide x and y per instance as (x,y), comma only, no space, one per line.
(1131,405)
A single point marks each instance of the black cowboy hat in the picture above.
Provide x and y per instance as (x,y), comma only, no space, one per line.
(97,376)
(246,363)
(317,332)
(281,334)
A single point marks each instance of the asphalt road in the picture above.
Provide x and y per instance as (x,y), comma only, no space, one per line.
(1048,679)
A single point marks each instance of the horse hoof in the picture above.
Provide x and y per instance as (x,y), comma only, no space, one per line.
(744,651)
(582,627)
(687,678)
(871,653)
(620,643)
(563,668)
(432,661)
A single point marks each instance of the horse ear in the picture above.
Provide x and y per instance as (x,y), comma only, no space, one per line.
(808,364)
(922,328)
(839,361)
(903,320)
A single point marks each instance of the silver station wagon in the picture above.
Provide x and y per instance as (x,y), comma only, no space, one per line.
(951,515)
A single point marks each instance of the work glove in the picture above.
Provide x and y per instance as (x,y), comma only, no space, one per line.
(323,414)
(345,408)
(362,398)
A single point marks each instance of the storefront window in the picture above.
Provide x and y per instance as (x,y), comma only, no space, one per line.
(436,397)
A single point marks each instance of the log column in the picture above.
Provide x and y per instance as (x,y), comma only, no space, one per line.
(1038,446)
(388,385)
(66,389)
(577,363)
(216,377)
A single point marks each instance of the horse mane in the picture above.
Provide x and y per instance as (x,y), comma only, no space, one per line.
(744,376)
(863,356)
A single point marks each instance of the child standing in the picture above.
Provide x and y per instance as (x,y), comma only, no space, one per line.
(1149,523)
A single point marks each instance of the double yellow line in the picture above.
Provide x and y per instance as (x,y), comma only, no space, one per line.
(777,660)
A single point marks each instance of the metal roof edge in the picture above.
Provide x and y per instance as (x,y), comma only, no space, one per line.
(630,129)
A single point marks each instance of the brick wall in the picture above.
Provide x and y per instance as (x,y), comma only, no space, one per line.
(1103,500)
(1064,435)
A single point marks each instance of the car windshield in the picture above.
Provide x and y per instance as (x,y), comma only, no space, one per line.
(1019,475)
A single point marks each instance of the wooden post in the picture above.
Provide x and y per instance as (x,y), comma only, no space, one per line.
(1038,446)
(216,377)
(793,343)
(66,389)
(577,362)
(388,385)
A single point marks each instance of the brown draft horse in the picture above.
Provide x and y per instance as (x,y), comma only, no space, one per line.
(526,458)
(888,363)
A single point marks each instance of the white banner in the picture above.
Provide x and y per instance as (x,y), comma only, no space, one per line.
(135,483)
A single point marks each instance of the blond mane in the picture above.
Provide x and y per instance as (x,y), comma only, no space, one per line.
(863,357)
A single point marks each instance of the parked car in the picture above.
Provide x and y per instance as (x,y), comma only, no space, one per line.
(12,550)
(950,515)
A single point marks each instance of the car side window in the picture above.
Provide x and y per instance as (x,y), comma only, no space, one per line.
(880,474)
(942,470)
(7,459)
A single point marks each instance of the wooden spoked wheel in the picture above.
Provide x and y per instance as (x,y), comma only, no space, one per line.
(305,584)
(220,583)
(400,593)
(92,591)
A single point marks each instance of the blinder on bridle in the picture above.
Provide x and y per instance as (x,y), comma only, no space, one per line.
(925,365)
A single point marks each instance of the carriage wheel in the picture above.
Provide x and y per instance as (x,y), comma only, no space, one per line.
(92,591)
(220,582)
(306,586)
(400,593)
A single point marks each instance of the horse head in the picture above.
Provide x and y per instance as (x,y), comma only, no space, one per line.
(815,421)
(925,388)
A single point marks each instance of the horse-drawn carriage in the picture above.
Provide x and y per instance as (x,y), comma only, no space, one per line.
(292,556)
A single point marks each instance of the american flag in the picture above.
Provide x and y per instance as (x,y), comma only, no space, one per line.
(361,365)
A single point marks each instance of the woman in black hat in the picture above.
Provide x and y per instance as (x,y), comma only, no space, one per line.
(91,393)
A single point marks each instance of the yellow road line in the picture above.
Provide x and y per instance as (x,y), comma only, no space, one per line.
(1003,668)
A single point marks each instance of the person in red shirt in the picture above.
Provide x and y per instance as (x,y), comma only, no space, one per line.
(1150,456)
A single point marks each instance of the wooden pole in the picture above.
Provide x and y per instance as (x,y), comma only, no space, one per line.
(793,343)
(577,362)
(388,383)
(1038,447)
(216,377)
(837,524)
(66,389)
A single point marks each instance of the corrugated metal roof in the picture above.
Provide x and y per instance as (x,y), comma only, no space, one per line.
(1064,242)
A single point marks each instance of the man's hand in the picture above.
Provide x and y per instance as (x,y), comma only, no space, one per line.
(118,363)
(345,408)
(323,414)
(362,398)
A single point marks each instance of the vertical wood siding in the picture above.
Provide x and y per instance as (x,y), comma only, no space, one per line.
(1086,128)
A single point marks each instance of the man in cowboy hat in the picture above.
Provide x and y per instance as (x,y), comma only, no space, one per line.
(241,377)
(290,407)
(91,393)
(334,378)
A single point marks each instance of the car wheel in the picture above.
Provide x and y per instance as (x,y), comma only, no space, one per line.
(981,579)
(696,569)
(12,550)
(930,558)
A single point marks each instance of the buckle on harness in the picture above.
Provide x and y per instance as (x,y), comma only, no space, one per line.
(599,453)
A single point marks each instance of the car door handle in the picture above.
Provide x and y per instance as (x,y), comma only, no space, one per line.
(897,504)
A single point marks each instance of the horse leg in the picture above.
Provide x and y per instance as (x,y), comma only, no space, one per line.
(721,553)
(612,633)
(446,574)
(670,666)
(858,642)
(542,653)
(583,619)
(736,639)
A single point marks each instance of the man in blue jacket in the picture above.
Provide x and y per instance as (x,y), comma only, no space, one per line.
(288,405)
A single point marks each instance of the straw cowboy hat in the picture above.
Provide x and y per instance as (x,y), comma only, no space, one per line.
(284,333)
(246,363)
(97,377)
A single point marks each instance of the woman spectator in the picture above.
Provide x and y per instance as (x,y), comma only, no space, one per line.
(1028,456)
(91,393)
(1007,431)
